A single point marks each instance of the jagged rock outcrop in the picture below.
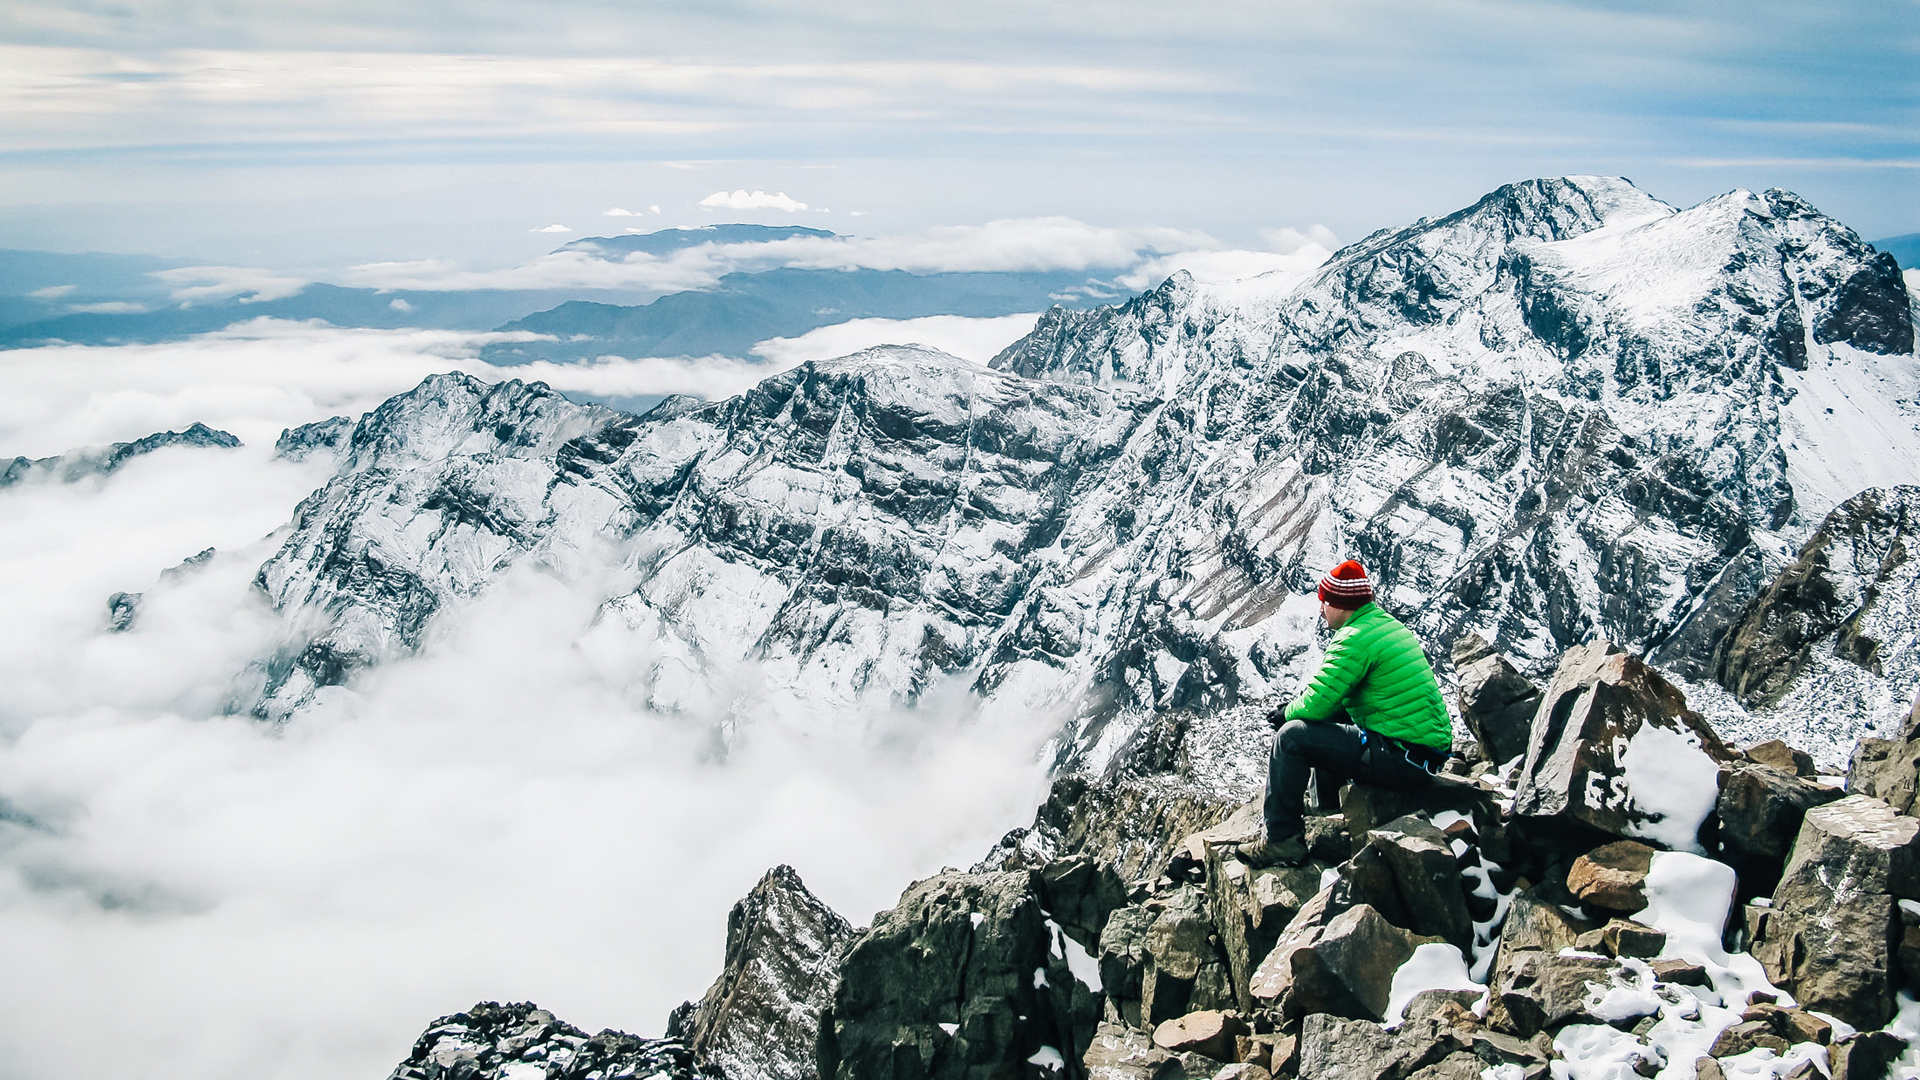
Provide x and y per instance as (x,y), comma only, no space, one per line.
(964,978)
(104,460)
(998,972)
(760,1020)
(509,1042)
(1824,602)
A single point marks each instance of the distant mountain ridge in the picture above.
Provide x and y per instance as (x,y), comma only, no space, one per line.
(111,300)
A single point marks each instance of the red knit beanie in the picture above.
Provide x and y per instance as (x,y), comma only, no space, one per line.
(1346,586)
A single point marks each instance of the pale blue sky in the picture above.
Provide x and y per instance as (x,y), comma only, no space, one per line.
(315,135)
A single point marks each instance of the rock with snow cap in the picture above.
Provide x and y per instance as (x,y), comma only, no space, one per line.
(1614,748)
(492,1041)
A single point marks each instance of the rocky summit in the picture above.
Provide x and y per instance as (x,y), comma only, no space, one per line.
(1567,412)
(1648,919)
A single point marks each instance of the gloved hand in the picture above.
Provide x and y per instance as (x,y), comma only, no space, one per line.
(1279,714)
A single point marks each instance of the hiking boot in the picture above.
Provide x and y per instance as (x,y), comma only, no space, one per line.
(1264,852)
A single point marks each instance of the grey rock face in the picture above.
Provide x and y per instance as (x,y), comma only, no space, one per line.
(1343,967)
(958,980)
(104,460)
(1829,936)
(1602,701)
(1822,599)
(1346,1049)
(488,1041)
(761,1017)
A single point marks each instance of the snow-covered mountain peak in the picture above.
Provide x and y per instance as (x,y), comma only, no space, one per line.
(456,415)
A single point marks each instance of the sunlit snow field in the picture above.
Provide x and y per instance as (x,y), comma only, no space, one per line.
(184,893)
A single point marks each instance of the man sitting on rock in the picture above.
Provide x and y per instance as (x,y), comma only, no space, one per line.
(1372,714)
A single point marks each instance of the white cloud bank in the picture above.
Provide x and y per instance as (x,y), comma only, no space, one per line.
(977,340)
(495,819)
(1010,245)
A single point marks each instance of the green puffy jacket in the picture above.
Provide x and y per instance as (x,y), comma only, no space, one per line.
(1375,670)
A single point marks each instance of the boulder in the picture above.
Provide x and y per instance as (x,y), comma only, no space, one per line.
(1244,1070)
(1829,935)
(1333,1048)
(1456,1066)
(1533,923)
(1123,959)
(1623,937)
(1679,972)
(1606,723)
(1435,1004)
(1365,807)
(1428,879)
(1747,1035)
(761,1017)
(1533,991)
(1779,755)
(1119,1052)
(1760,810)
(1496,702)
(1080,893)
(1889,769)
(1210,1032)
(1868,1055)
(1612,876)
(1344,967)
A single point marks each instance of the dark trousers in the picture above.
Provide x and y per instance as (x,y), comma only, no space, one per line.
(1340,752)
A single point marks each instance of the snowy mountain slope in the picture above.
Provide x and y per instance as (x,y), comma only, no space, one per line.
(860,524)
(1567,411)
(1516,452)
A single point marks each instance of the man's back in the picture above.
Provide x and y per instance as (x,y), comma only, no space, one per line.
(1376,671)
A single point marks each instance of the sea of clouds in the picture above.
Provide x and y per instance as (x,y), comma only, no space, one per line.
(185,892)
